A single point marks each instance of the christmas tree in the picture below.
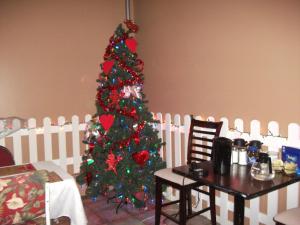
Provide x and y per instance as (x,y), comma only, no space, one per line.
(123,145)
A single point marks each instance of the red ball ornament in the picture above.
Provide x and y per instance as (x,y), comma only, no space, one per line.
(140,195)
(133,112)
(91,147)
(141,157)
(89,178)
(131,44)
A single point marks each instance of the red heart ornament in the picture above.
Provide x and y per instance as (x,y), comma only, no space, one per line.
(106,121)
(141,157)
(107,66)
(131,44)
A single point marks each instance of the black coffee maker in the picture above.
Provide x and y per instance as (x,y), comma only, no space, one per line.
(221,155)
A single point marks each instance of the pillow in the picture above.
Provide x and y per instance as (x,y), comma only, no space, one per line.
(22,197)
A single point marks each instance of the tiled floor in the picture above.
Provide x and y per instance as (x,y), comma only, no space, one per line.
(100,212)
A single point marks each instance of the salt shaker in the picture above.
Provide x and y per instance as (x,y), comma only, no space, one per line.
(243,157)
(235,154)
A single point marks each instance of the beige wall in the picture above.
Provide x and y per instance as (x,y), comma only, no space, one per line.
(50,52)
(222,58)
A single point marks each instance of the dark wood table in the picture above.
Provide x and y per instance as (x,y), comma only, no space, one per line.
(238,183)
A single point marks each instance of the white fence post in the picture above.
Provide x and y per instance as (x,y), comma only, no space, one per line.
(76,144)
(168,141)
(33,154)
(293,190)
(177,140)
(187,123)
(160,131)
(47,139)
(17,148)
(62,143)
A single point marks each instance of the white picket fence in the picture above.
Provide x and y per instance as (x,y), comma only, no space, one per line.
(174,132)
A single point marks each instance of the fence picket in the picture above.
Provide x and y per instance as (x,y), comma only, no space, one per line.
(187,123)
(254,211)
(225,127)
(47,139)
(177,140)
(255,130)
(76,144)
(159,117)
(62,143)
(168,141)
(293,135)
(17,148)
(33,154)
(272,207)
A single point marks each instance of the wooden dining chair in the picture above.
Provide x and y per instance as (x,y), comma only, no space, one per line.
(200,142)
(6,158)
(288,217)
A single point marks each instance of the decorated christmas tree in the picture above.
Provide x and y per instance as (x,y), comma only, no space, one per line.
(123,144)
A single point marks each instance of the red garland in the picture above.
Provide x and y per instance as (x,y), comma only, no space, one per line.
(126,142)
(131,113)
(131,26)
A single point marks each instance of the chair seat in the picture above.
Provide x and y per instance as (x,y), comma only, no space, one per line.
(289,217)
(167,174)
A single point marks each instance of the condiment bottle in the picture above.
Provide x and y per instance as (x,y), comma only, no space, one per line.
(243,157)
(235,154)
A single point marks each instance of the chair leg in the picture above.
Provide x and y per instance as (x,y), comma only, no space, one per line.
(212,205)
(182,206)
(158,200)
(189,200)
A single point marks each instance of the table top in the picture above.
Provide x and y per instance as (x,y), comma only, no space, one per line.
(239,181)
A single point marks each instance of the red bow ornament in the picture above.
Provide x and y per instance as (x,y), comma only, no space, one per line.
(112,162)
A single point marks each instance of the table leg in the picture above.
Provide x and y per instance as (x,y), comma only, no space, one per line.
(158,199)
(239,209)
(182,206)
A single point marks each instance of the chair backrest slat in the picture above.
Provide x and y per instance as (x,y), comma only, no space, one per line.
(200,140)
(202,146)
(197,159)
(204,132)
(202,153)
